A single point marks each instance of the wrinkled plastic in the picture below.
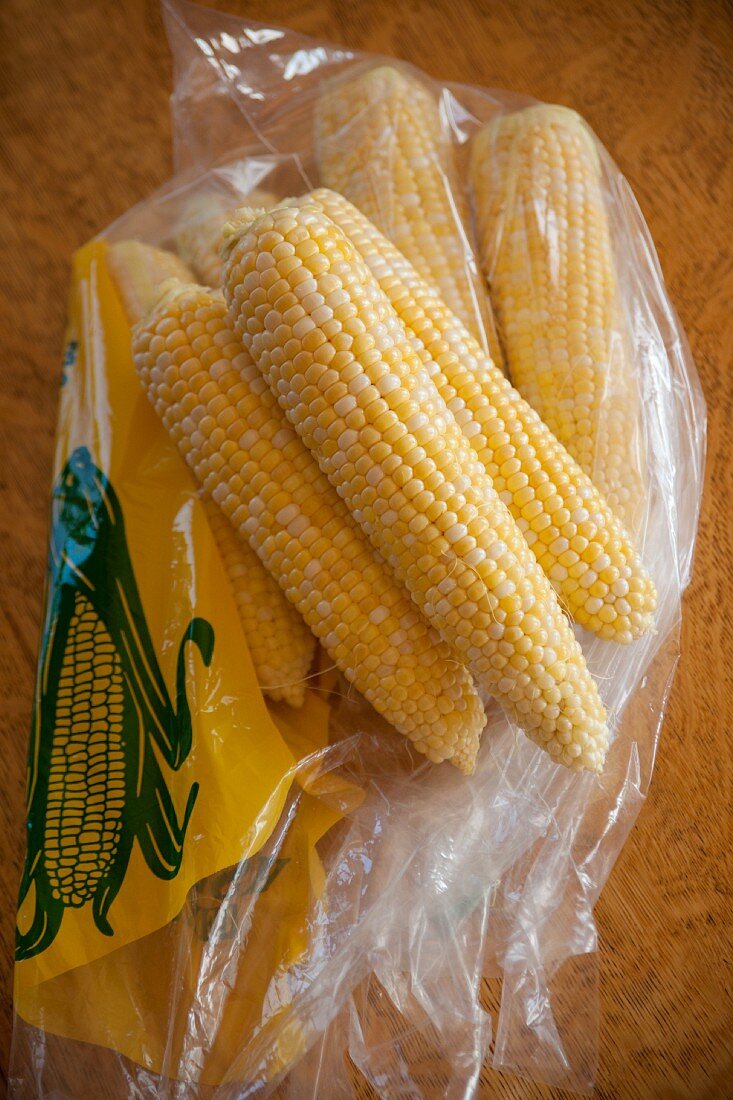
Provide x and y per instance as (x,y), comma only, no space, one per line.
(436,922)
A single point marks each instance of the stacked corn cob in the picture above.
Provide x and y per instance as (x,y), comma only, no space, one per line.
(281,647)
(416,511)
(547,252)
(343,366)
(578,541)
(382,143)
(221,414)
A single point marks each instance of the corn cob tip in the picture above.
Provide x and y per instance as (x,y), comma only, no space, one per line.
(541,116)
(465,756)
(357,72)
(198,238)
(292,694)
(351,94)
(465,743)
(169,292)
(385,77)
(241,220)
(138,270)
(388,76)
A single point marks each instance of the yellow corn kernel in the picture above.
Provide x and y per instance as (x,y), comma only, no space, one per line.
(547,253)
(347,375)
(266,482)
(382,141)
(280,645)
(548,494)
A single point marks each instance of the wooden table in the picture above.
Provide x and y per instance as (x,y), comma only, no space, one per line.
(85,134)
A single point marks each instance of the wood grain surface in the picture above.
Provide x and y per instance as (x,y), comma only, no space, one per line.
(85,134)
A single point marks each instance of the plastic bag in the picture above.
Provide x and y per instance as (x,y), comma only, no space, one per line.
(306,903)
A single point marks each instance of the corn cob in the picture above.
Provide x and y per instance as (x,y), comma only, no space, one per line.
(345,370)
(382,143)
(577,540)
(199,241)
(138,269)
(280,645)
(547,253)
(86,784)
(220,413)
(279,642)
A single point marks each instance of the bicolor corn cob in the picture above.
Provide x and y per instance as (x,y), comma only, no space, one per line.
(199,241)
(279,642)
(219,411)
(547,252)
(86,784)
(345,371)
(280,645)
(579,543)
(381,142)
(138,269)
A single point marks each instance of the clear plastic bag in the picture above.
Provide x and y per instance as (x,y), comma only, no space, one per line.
(383,918)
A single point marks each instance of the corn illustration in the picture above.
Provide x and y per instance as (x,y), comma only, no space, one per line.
(95,785)
(86,787)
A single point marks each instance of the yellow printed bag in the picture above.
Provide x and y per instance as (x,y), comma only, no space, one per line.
(160,782)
